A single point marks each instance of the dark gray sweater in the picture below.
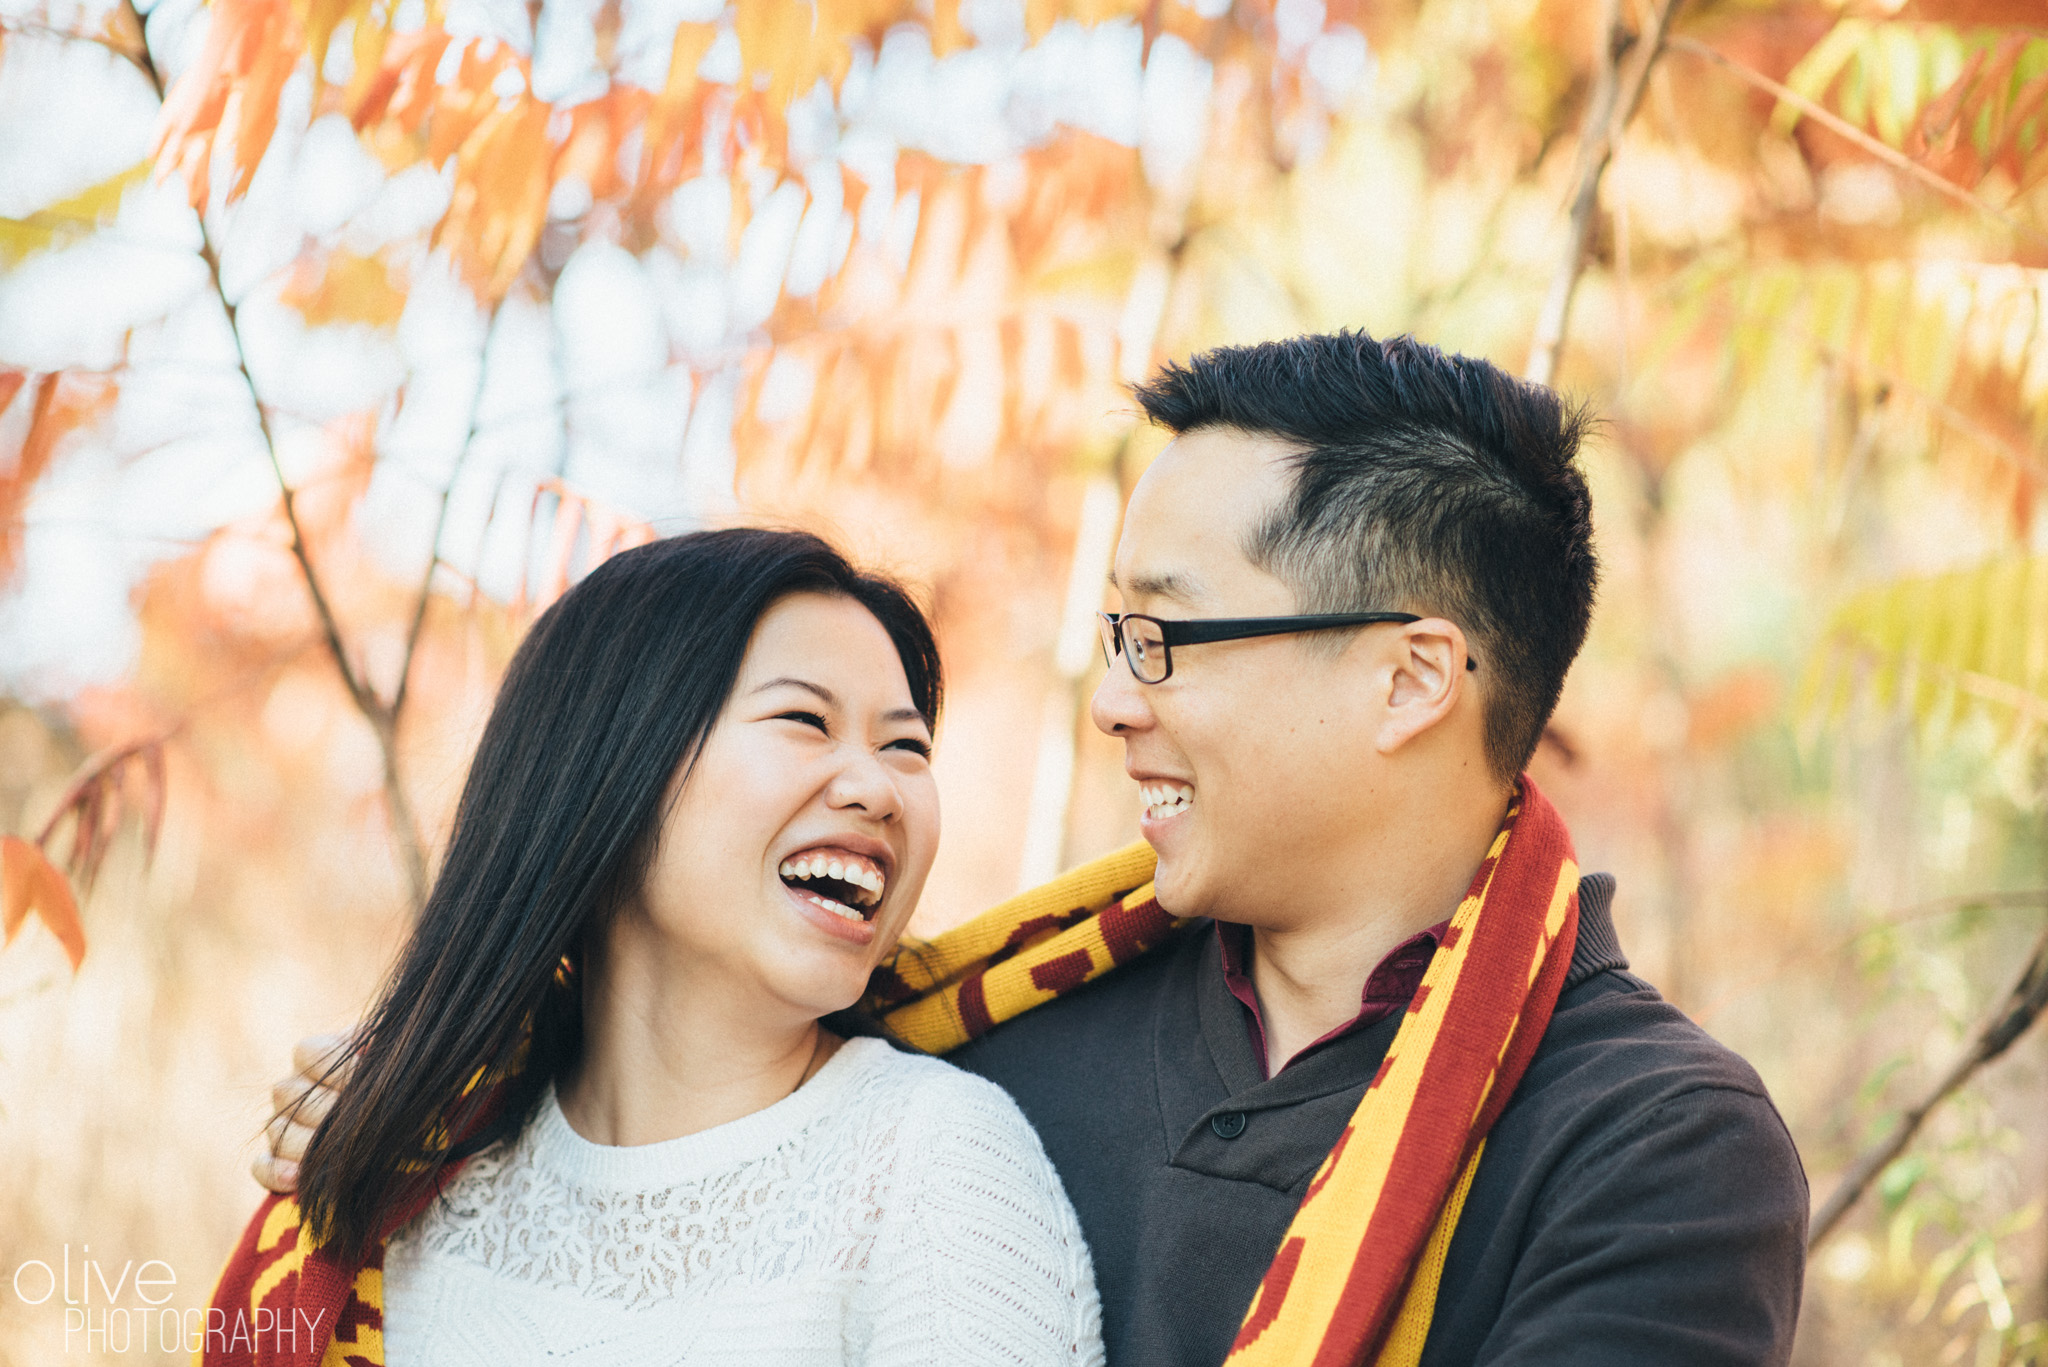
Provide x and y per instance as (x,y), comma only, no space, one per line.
(1639,1202)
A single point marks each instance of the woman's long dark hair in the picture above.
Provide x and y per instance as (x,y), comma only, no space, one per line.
(611,693)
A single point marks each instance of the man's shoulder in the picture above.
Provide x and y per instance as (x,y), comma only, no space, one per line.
(1620,1069)
(1641,1179)
(1613,1037)
(1616,1030)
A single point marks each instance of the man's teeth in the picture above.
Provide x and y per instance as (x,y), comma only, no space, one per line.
(869,880)
(1166,799)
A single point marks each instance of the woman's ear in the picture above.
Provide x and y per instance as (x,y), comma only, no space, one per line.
(1425,675)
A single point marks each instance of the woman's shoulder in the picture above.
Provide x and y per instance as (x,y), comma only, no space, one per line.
(931,1093)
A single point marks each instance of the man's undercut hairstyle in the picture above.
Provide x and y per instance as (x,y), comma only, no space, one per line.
(1423,482)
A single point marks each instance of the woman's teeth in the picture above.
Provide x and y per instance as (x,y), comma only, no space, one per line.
(863,878)
(1166,799)
(839,909)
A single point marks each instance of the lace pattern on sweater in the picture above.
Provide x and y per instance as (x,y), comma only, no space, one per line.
(815,1203)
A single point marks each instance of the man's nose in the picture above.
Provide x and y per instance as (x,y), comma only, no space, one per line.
(1120,706)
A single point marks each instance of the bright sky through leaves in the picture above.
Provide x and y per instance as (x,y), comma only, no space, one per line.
(354,263)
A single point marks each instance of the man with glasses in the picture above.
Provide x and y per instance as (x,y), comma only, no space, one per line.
(1353,585)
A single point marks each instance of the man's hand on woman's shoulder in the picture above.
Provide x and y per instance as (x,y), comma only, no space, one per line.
(302,1102)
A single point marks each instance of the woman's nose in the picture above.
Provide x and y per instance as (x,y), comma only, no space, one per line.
(864,782)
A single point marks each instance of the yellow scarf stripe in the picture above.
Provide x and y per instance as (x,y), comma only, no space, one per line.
(1049,941)
(921,965)
(282,1222)
(360,1340)
(1344,1192)
(1418,1305)
(1291,1319)
(947,1018)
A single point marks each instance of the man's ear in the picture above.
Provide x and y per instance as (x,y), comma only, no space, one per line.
(1426,678)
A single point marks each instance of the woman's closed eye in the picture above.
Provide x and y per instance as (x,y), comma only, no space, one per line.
(907,744)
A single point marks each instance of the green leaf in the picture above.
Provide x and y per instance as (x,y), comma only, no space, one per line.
(1896,1182)
(1899,66)
(1971,640)
(1816,71)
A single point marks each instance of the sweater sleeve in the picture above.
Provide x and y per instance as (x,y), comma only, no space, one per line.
(981,1259)
(1680,1242)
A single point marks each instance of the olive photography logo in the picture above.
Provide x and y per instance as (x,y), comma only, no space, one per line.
(98,1307)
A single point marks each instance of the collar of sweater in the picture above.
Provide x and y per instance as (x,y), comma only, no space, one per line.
(558,1148)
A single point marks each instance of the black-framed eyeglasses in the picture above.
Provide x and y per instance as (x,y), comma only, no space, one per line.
(1148,642)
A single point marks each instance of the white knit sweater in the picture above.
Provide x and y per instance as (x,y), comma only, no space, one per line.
(892,1210)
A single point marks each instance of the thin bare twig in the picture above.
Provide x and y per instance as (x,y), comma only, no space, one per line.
(382,716)
(1890,156)
(411,846)
(426,592)
(1619,78)
(2021,1007)
(38,29)
(358,691)
(1807,952)
(358,687)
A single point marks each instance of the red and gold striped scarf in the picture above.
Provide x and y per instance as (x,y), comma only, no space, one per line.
(1355,1278)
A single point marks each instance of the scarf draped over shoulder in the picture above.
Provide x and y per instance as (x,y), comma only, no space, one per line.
(1354,1281)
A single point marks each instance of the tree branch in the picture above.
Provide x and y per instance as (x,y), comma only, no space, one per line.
(359,690)
(1617,90)
(426,593)
(1807,951)
(411,846)
(8,24)
(1891,157)
(2020,1009)
(382,716)
(364,699)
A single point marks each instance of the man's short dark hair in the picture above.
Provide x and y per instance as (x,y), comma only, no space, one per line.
(1424,482)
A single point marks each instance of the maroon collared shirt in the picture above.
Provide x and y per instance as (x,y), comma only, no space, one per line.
(1387,989)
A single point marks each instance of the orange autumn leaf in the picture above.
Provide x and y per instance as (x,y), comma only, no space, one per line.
(458,108)
(580,533)
(395,78)
(252,47)
(99,800)
(949,34)
(29,882)
(597,130)
(121,31)
(671,136)
(61,404)
(348,289)
(775,42)
(501,197)
(322,18)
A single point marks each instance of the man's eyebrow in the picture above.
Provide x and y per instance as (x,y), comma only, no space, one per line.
(1170,584)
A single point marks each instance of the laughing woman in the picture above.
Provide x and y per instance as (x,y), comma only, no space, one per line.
(699,817)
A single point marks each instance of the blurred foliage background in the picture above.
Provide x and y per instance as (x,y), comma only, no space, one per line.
(338,336)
